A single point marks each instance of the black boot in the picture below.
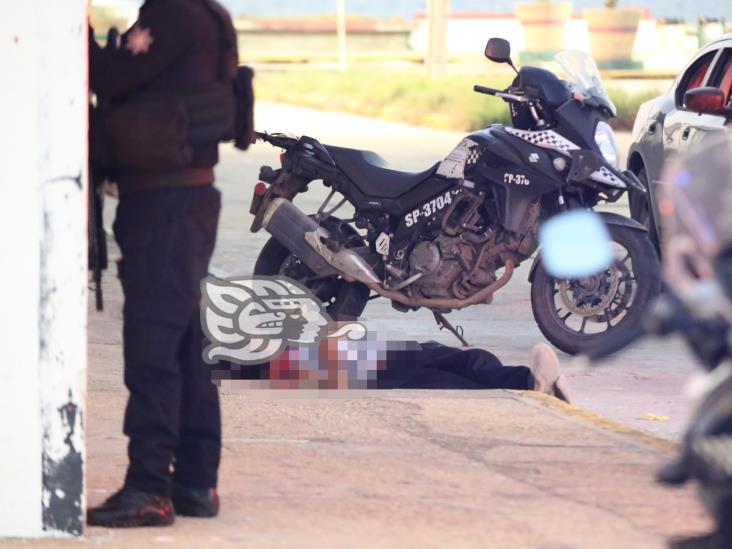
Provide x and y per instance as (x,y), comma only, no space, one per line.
(131,507)
(195,502)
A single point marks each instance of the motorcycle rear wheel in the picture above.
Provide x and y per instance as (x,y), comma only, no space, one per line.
(611,304)
(343,300)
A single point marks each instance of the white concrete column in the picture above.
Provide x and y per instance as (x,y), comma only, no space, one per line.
(43,212)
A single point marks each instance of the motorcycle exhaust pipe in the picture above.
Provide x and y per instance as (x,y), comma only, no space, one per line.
(305,239)
(284,221)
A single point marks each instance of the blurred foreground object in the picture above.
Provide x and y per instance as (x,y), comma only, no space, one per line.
(695,206)
(575,244)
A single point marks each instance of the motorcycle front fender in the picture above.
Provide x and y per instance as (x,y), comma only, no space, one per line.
(609,218)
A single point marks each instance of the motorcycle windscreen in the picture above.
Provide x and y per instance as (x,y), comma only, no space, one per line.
(575,244)
(583,77)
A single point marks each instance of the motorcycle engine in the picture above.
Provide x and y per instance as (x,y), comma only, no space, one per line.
(463,256)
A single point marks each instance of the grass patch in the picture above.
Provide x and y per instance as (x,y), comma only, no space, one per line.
(446,103)
(628,104)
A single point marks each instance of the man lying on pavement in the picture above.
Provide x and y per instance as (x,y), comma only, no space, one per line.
(373,364)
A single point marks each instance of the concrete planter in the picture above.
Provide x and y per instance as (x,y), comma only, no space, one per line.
(612,35)
(710,29)
(544,24)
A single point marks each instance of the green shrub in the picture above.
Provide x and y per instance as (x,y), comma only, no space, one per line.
(409,96)
(628,104)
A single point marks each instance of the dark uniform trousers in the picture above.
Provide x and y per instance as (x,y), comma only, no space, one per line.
(173,417)
(437,366)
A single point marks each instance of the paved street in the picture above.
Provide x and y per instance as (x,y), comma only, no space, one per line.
(648,379)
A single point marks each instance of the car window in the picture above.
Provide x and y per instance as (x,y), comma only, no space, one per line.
(694,75)
(722,77)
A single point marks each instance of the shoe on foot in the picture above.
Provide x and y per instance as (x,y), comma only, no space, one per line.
(548,377)
(195,502)
(129,508)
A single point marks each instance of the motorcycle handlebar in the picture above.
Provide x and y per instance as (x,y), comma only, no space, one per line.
(277,139)
(517,96)
(485,90)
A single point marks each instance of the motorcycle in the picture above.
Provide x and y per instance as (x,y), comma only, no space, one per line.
(451,236)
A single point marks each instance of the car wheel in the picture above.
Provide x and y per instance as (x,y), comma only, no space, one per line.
(641,211)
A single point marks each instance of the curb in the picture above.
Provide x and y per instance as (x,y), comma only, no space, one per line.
(584,416)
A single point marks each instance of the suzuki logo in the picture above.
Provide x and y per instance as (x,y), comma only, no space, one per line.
(533,158)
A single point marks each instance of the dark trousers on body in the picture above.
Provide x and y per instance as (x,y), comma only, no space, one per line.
(172,418)
(437,366)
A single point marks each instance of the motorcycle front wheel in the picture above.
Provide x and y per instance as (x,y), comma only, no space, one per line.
(577,315)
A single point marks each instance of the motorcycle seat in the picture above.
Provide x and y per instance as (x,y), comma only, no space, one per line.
(370,173)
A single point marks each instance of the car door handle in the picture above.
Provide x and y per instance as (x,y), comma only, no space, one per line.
(652,128)
(687,131)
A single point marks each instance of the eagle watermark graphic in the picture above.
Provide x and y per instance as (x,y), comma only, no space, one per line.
(250,320)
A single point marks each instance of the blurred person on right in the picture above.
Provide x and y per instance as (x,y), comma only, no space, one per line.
(696,210)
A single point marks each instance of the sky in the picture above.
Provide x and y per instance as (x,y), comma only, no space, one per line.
(690,10)
(686,9)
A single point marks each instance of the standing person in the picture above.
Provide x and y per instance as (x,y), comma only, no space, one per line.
(168,84)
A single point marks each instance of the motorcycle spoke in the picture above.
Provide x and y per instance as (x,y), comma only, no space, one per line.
(584,324)
(618,300)
(608,319)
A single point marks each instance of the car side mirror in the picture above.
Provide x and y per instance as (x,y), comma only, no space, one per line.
(706,100)
(498,50)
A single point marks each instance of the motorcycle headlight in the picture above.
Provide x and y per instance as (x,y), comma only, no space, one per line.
(605,139)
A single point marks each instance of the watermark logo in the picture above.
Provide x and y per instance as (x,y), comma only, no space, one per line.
(250,320)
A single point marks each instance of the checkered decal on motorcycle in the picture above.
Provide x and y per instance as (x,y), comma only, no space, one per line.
(603,175)
(546,139)
(466,153)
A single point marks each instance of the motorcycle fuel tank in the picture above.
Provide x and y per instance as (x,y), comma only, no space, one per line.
(517,171)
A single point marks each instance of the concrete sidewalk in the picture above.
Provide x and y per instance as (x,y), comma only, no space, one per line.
(409,468)
(398,469)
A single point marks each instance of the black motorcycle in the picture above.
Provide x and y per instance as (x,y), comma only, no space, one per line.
(451,236)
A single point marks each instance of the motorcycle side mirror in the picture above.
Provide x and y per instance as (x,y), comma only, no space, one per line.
(498,50)
(706,100)
(575,244)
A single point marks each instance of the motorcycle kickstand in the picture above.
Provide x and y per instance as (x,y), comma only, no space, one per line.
(443,324)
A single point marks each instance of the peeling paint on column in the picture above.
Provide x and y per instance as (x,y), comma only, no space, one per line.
(63,266)
(63,481)
(62,357)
